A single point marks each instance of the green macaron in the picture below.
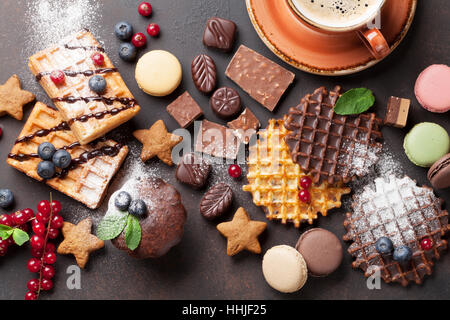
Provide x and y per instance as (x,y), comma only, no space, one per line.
(426,143)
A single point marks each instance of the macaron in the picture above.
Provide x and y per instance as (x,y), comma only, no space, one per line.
(284,269)
(322,251)
(158,73)
(433,88)
(426,143)
(439,173)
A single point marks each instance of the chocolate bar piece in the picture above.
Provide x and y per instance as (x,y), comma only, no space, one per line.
(185,110)
(264,80)
(397,112)
(245,126)
(217,141)
(220,34)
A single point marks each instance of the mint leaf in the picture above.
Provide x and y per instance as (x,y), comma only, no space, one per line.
(20,236)
(354,101)
(133,233)
(5,231)
(112,226)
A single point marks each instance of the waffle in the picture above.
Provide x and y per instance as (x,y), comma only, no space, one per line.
(86,183)
(274,181)
(332,147)
(405,213)
(95,115)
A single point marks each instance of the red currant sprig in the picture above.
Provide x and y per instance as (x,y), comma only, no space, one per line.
(304,195)
(20,220)
(45,226)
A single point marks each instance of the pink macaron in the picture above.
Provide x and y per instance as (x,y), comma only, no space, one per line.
(433,88)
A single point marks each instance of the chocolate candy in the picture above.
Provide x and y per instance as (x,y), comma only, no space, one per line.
(397,112)
(264,80)
(204,73)
(217,141)
(245,126)
(226,103)
(220,34)
(185,110)
(193,171)
(216,201)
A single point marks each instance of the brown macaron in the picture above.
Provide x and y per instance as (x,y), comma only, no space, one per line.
(439,173)
(322,251)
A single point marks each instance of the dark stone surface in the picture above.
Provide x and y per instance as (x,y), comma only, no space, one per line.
(198,268)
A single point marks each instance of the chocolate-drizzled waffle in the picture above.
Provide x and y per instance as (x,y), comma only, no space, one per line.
(89,115)
(93,165)
(329,146)
(406,214)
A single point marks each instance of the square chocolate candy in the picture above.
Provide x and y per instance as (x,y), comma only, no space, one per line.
(264,80)
(217,141)
(397,112)
(220,34)
(185,110)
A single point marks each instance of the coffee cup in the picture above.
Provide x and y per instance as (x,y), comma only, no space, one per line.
(342,16)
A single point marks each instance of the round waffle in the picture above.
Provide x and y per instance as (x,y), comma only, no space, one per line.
(274,181)
(406,214)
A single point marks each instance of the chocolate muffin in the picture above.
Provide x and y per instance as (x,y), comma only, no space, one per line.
(163,227)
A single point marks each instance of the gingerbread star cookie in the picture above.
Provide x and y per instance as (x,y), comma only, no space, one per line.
(79,241)
(13,98)
(157,142)
(242,233)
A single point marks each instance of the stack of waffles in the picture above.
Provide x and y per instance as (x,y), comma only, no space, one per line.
(81,121)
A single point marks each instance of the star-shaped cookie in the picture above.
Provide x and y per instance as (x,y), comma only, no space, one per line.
(79,241)
(242,233)
(13,98)
(157,142)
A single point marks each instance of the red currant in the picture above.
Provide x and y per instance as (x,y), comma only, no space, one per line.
(57,222)
(34,265)
(145,9)
(29,213)
(4,244)
(139,40)
(30,296)
(153,29)
(39,228)
(53,233)
(44,207)
(426,244)
(305,182)
(42,218)
(10,241)
(46,284)
(58,77)
(37,253)
(50,247)
(304,196)
(24,227)
(234,171)
(56,206)
(3,252)
(49,258)
(48,272)
(98,59)
(33,285)
(37,242)
(19,218)
(6,220)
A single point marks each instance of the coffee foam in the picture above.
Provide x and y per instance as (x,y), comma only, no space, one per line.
(338,13)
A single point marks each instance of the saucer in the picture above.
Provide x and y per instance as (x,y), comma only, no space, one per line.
(295,42)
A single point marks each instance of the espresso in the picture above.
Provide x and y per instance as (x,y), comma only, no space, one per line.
(338,13)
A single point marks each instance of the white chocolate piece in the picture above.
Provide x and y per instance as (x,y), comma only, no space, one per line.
(284,269)
(158,73)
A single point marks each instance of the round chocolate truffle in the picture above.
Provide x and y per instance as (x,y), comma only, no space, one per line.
(321,250)
(163,226)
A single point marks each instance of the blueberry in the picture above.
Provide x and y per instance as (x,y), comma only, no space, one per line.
(402,254)
(62,159)
(6,198)
(123,30)
(122,201)
(384,245)
(127,52)
(46,170)
(97,84)
(46,151)
(137,208)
